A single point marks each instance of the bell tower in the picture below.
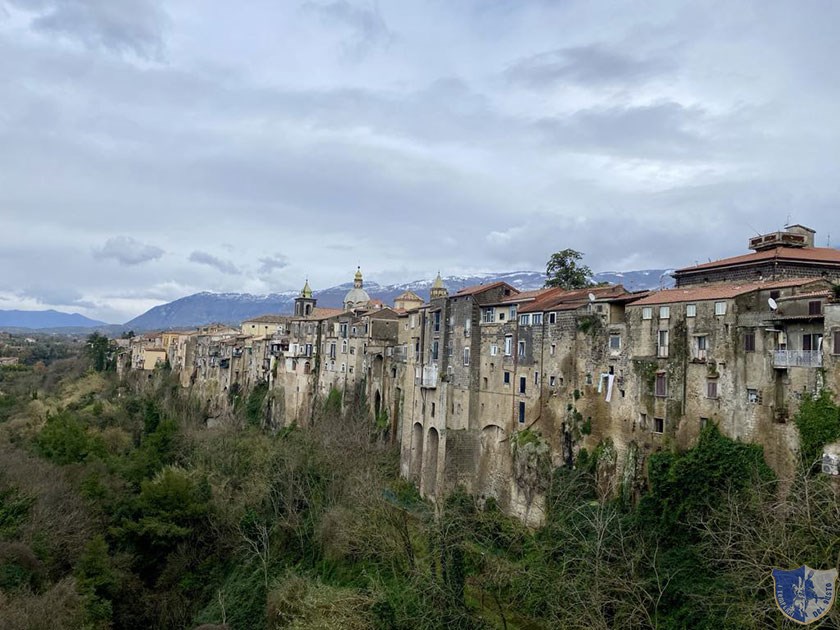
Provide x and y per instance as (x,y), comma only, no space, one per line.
(305,303)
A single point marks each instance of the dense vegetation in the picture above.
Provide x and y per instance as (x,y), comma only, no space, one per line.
(119,508)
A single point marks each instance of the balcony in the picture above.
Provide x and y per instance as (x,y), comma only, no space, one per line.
(797,358)
(430,376)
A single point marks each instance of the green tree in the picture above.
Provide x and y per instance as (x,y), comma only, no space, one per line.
(563,270)
(100,351)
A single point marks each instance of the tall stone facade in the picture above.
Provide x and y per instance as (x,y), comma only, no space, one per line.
(491,388)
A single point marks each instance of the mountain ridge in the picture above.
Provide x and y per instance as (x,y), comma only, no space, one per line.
(207,307)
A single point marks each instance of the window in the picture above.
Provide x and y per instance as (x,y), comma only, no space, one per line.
(508,345)
(720,308)
(691,310)
(661,385)
(662,344)
(343,367)
(615,341)
(704,422)
(467,327)
(467,356)
(309,349)
(647,312)
(814,307)
(522,384)
(342,330)
(494,350)
(521,412)
(711,389)
(525,320)
(753,396)
(332,350)
(643,420)
(749,341)
(512,312)
(552,381)
(507,378)
(659,425)
(835,347)
(701,344)
(433,410)
(537,319)
(451,320)
(449,348)
(664,312)
(435,350)
(552,349)
(521,350)
(812,342)
(552,318)
(413,321)
(353,331)
(437,321)
(536,378)
(501,316)
(488,315)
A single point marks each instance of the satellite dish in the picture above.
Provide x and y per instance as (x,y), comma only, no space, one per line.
(772,303)
(591,297)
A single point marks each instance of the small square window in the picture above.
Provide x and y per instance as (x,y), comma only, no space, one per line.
(552,318)
(525,320)
(661,385)
(538,319)
(659,425)
(647,312)
(753,396)
(664,312)
(704,422)
(711,389)
(615,342)
(552,380)
(720,308)
(691,310)
(814,307)
(749,342)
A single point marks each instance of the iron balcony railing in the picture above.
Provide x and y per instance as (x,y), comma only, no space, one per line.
(797,358)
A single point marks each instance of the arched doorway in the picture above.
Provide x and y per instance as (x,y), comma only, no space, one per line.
(416,452)
(430,471)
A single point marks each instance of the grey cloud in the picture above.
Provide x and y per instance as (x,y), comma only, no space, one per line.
(366,24)
(272,263)
(121,26)
(128,251)
(593,65)
(225,266)
(651,131)
(57,296)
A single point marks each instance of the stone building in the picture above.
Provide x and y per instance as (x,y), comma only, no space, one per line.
(491,388)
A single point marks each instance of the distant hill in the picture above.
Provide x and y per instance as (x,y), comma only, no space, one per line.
(38,320)
(204,308)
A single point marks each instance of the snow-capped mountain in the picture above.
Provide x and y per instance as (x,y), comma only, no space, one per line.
(206,307)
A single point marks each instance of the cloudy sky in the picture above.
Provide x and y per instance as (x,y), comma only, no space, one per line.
(150,149)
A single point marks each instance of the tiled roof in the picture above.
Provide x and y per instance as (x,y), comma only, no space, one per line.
(792,254)
(325,313)
(268,319)
(722,291)
(809,294)
(480,288)
(558,299)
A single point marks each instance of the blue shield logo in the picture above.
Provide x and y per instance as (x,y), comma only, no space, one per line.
(804,595)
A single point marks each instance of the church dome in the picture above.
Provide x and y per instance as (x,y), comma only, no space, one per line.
(356,296)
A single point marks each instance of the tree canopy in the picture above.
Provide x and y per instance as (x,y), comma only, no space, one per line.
(563,270)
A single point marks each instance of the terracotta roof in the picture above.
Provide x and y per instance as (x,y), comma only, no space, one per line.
(559,299)
(319,313)
(722,291)
(268,319)
(409,296)
(809,294)
(481,288)
(792,254)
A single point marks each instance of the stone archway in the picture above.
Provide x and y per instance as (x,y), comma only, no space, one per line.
(494,463)
(431,469)
(416,464)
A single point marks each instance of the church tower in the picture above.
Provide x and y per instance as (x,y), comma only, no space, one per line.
(438,291)
(304,303)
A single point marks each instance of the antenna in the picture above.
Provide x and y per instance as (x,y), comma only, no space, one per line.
(772,303)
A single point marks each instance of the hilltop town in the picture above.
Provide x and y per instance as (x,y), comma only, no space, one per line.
(489,387)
